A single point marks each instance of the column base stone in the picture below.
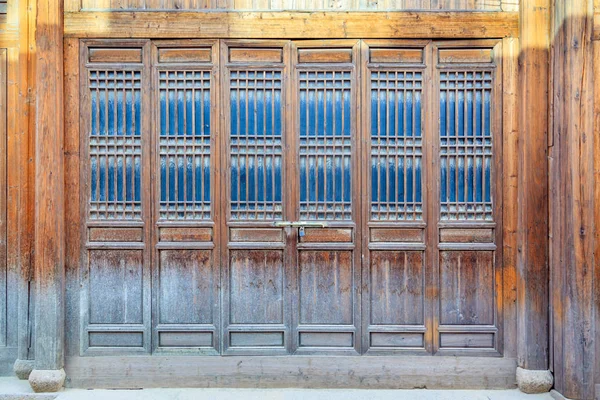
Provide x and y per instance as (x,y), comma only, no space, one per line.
(23,368)
(534,381)
(50,380)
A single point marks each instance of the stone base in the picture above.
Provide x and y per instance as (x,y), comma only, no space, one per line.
(23,368)
(534,381)
(50,380)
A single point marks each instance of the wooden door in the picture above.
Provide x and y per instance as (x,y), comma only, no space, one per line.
(291,197)
(258,263)
(326,185)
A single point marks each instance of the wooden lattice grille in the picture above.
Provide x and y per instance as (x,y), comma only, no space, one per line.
(115,140)
(256,141)
(466,145)
(184,144)
(325,108)
(396,145)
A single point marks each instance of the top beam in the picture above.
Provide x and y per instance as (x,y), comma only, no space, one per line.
(291,25)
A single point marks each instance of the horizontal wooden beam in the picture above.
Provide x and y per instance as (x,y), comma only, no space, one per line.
(291,25)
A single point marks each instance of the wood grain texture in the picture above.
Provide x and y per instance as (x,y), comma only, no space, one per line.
(532,260)
(467,288)
(297,371)
(49,183)
(492,5)
(247,25)
(573,200)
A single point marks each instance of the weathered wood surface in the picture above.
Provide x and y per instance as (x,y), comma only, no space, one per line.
(491,5)
(574,199)
(317,25)
(49,184)
(532,239)
(299,371)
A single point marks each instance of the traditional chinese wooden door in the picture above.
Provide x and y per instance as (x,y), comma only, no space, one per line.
(291,197)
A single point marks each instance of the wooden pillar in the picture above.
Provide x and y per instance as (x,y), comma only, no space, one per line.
(532,232)
(48,374)
(572,210)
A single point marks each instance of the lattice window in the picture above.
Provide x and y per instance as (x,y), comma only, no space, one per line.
(184,144)
(396,145)
(256,145)
(115,144)
(325,108)
(466,145)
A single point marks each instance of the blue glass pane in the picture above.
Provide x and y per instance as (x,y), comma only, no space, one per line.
(325,121)
(396,145)
(256,132)
(466,145)
(115,144)
(184,144)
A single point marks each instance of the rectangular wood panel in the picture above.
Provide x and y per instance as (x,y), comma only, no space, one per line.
(326,287)
(116,235)
(115,55)
(467,287)
(116,285)
(185,55)
(401,56)
(187,234)
(186,287)
(397,288)
(256,291)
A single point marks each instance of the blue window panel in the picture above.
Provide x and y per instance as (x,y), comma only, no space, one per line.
(115,144)
(256,145)
(184,144)
(466,148)
(396,145)
(325,103)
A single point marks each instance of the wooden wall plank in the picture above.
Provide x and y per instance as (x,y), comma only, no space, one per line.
(255,25)
(490,5)
(510,137)
(572,199)
(532,260)
(49,184)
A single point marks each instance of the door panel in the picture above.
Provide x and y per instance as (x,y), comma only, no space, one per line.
(327,311)
(396,312)
(115,192)
(256,304)
(468,273)
(185,272)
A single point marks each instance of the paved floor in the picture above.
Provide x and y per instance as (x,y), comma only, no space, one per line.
(13,389)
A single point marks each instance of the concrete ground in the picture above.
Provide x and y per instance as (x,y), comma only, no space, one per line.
(13,389)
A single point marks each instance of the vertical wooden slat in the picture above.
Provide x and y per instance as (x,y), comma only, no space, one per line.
(573,203)
(510,136)
(49,181)
(532,261)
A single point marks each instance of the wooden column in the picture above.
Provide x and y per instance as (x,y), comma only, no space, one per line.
(49,198)
(532,235)
(572,209)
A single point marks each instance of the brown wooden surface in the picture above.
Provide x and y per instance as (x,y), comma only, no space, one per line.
(492,5)
(574,200)
(297,371)
(49,183)
(268,25)
(532,239)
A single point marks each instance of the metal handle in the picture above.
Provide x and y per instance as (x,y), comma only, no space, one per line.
(300,224)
